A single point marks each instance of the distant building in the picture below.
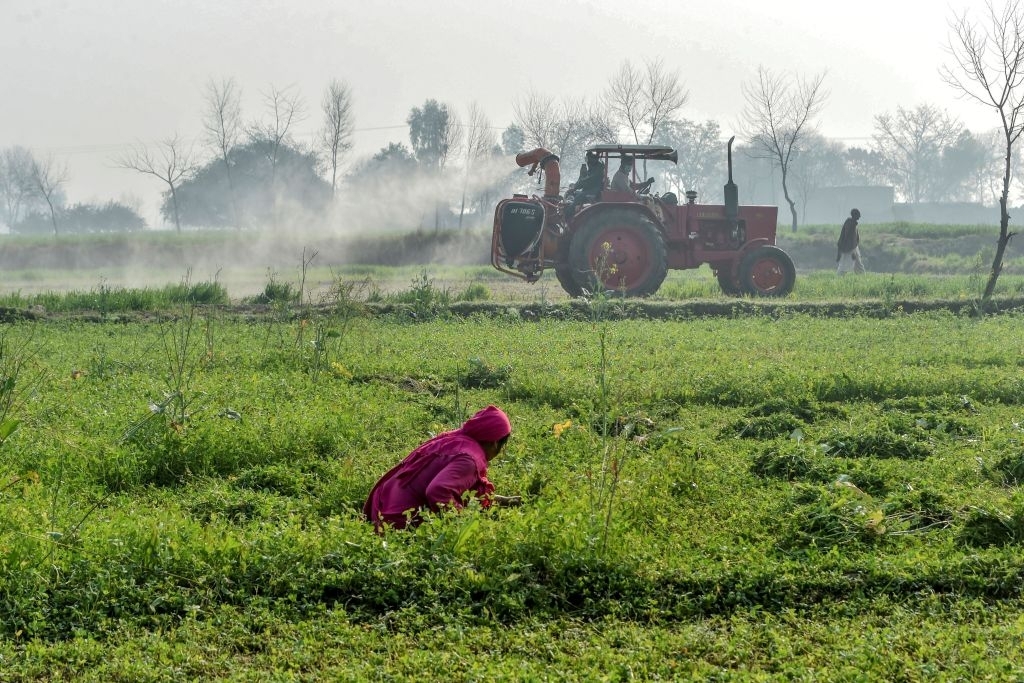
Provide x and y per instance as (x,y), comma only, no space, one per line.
(948,213)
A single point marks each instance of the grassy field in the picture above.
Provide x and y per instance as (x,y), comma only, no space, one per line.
(739,498)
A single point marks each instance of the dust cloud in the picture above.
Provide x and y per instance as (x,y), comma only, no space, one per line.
(385,219)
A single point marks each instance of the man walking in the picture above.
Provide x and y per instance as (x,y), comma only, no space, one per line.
(848,248)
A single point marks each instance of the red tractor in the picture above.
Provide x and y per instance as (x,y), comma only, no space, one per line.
(625,240)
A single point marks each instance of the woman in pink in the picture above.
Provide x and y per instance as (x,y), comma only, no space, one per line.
(440,472)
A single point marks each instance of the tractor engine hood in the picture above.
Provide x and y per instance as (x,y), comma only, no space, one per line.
(548,164)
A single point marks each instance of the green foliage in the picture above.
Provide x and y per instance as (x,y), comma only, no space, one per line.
(990,526)
(266,174)
(764,427)
(475,291)
(201,293)
(1009,469)
(839,514)
(880,442)
(790,461)
(82,218)
(481,375)
(277,292)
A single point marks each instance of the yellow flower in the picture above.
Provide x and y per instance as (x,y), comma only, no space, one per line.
(560,427)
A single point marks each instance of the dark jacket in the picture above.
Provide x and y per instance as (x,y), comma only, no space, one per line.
(591,181)
(849,238)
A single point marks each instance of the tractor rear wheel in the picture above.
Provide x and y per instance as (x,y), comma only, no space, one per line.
(767,271)
(632,263)
(568,282)
(563,271)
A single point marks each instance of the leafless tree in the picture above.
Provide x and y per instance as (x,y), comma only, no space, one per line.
(778,115)
(536,115)
(451,139)
(912,143)
(571,131)
(335,137)
(565,127)
(642,100)
(222,122)
(822,163)
(988,66)
(47,178)
(171,163)
(285,108)
(561,126)
(478,141)
(16,187)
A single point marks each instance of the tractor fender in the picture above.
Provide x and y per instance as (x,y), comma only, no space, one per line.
(752,245)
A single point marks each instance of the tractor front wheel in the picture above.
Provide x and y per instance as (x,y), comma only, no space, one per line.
(767,271)
(728,283)
(565,278)
(619,251)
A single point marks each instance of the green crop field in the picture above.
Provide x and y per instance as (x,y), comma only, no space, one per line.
(746,497)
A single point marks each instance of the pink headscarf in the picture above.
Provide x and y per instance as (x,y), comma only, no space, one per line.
(489,424)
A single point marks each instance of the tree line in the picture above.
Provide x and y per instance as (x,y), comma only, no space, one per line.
(257,173)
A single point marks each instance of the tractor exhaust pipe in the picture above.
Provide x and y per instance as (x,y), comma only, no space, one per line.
(548,164)
(732,195)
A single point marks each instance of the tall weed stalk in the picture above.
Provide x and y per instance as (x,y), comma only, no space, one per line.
(341,306)
(186,349)
(604,483)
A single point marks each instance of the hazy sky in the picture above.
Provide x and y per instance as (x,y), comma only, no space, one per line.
(83,79)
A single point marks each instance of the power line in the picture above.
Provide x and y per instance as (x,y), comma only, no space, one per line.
(114,147)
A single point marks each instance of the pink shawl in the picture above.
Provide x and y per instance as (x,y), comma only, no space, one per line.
(489,424)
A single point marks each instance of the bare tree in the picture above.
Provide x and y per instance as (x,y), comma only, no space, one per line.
(642,100)
(989,68)
(171,163)
(17,191)
(285,108)
(778,116)
(479,140)
(48,177)
(566,127)
(535,116)
(222,122)
(821,163)
(335,137)
(451,139)
(912,144)
(557,125)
